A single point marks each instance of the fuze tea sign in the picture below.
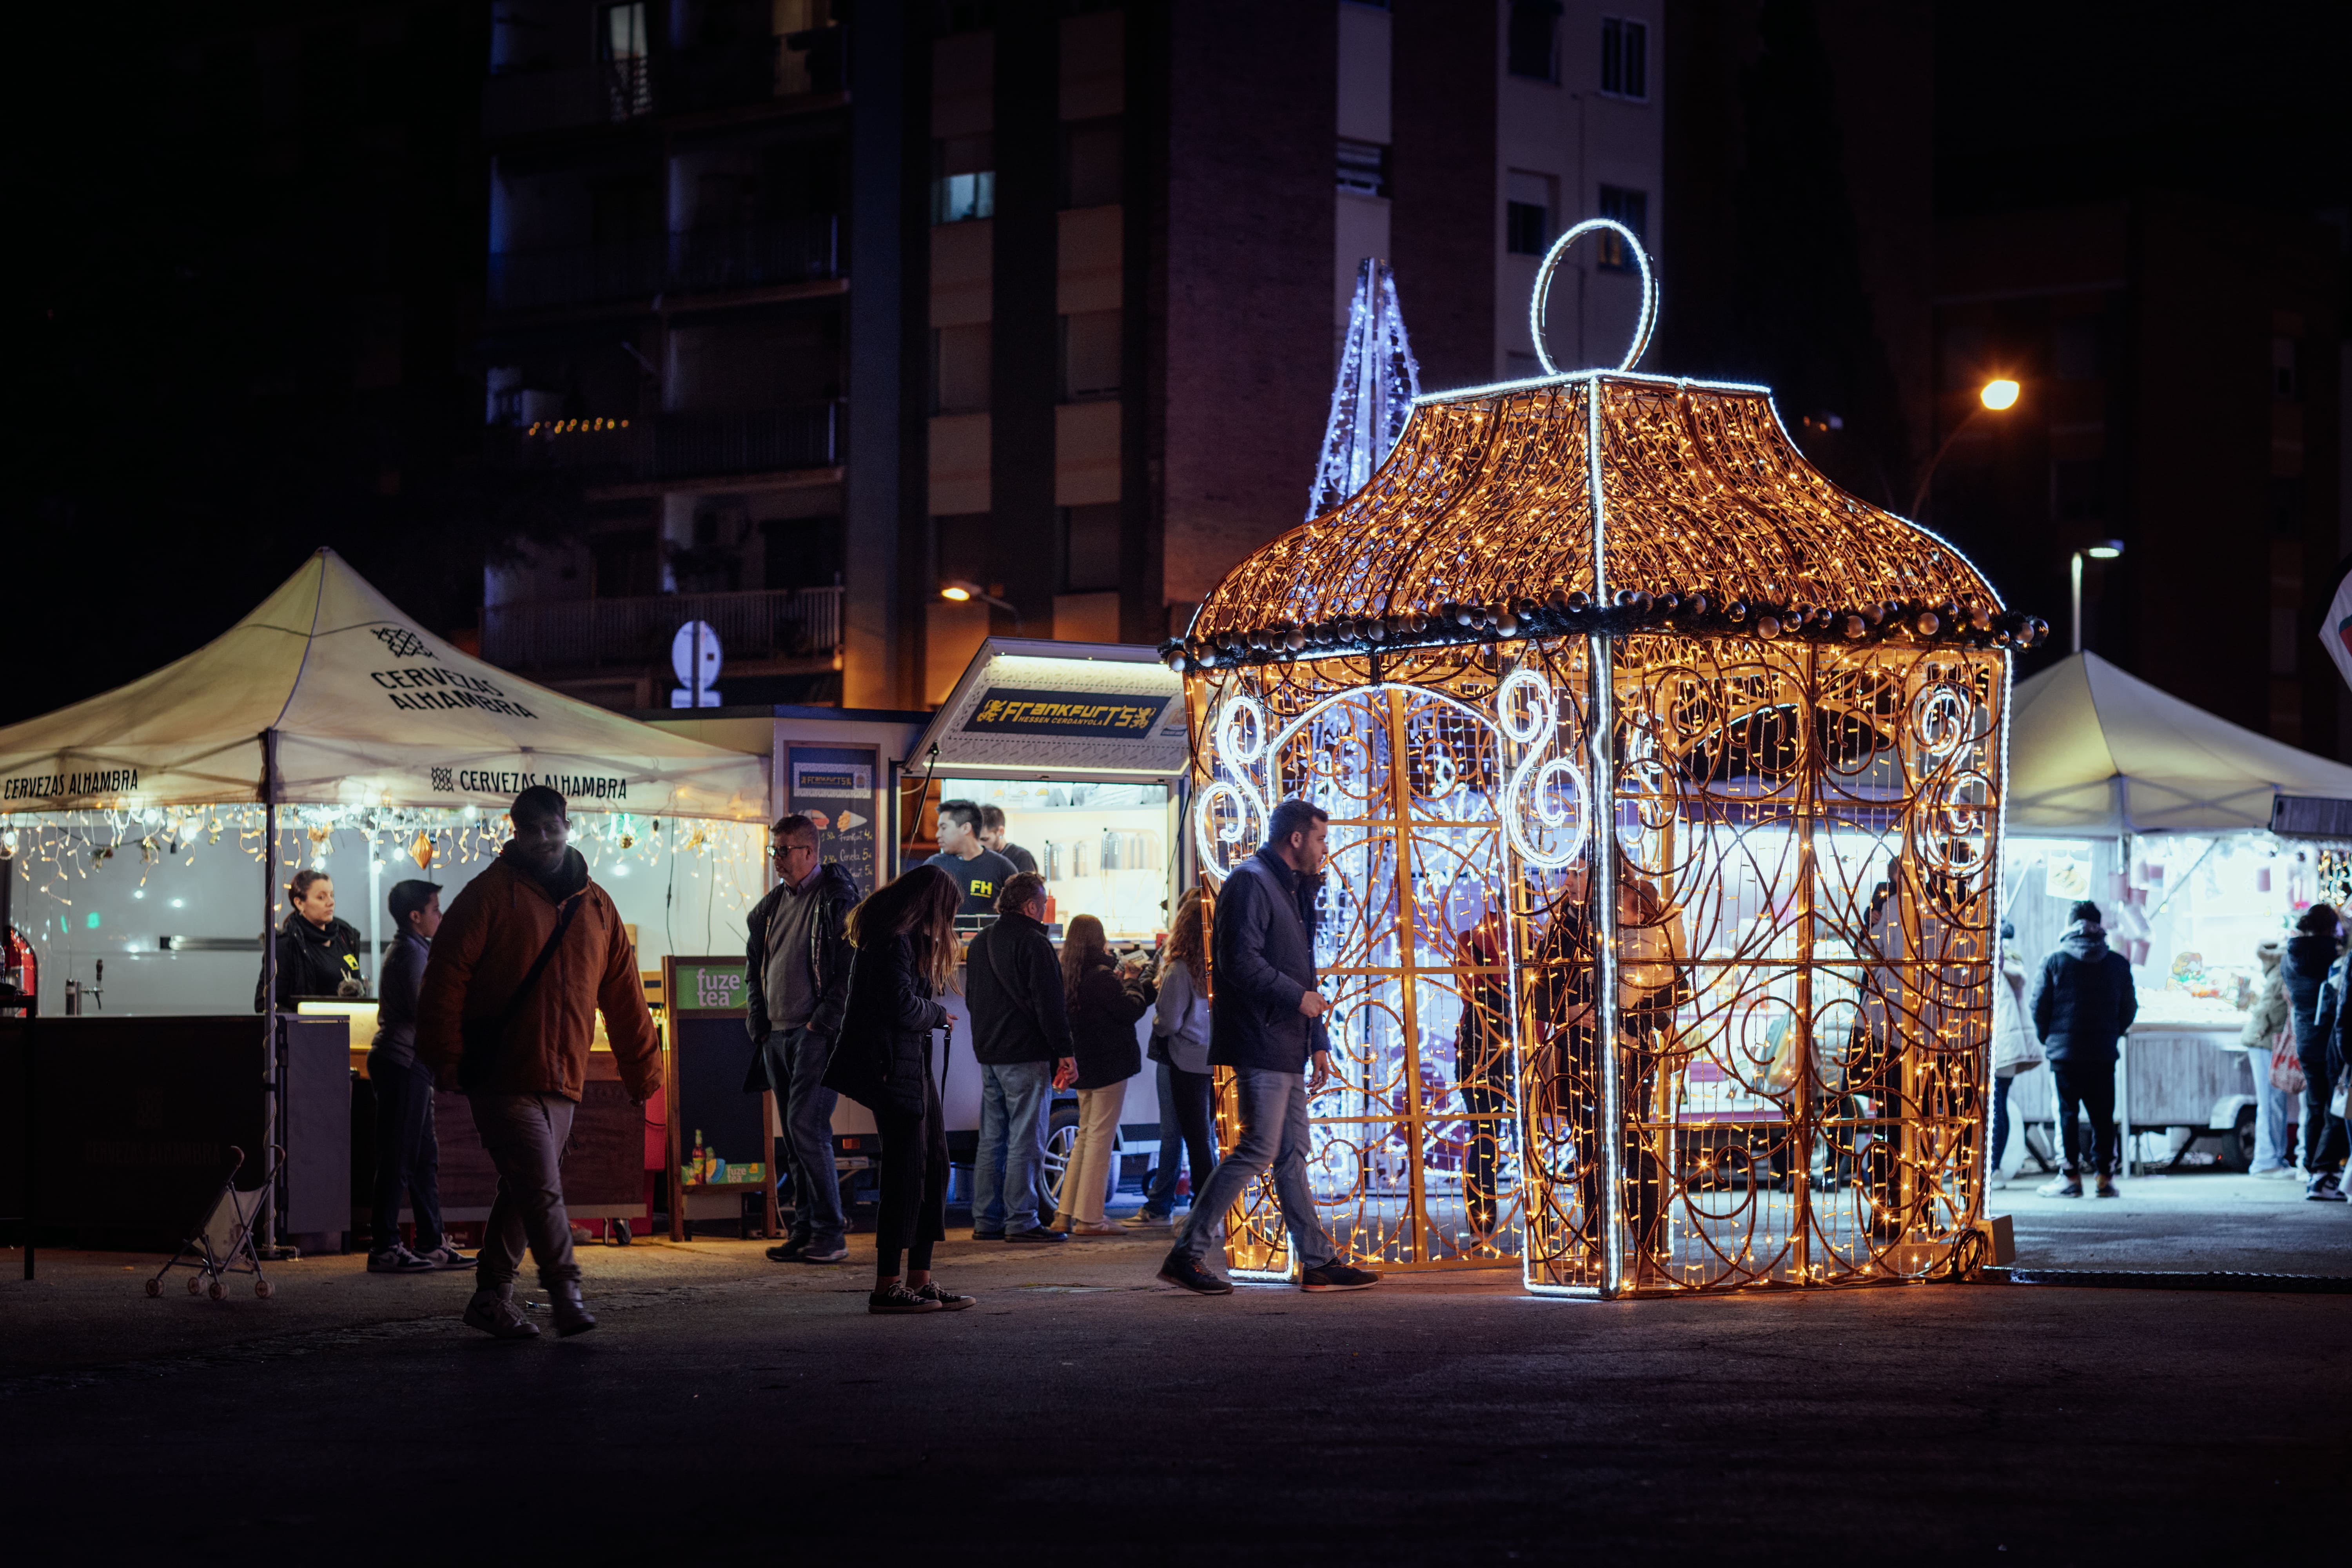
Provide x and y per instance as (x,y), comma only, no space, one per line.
(710,987)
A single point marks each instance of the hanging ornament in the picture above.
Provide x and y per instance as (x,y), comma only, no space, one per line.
(421,851)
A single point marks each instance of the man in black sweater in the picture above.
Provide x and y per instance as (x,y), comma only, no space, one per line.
(407,1153)
(1020,1038)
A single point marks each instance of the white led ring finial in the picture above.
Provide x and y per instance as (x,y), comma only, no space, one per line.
(1649,317)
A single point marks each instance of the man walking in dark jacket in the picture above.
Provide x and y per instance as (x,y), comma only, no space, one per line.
(407,1153)
(1020,1038)
(2083,1004)
(797,974)
(1266,1018)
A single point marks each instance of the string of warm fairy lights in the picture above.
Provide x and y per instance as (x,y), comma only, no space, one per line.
(61,850)
(1612,630)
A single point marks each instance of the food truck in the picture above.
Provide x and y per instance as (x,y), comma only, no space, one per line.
(1081,746)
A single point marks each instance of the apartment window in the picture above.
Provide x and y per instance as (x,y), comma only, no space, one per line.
(1091,156)
(2076,346)
(1090,357)
(1090,548)
(1526,213)
(2285,382)
(1534,40)
(1624,57)
(960,369)
(963,179)
(629,83)
(1363,168)
(1631,208)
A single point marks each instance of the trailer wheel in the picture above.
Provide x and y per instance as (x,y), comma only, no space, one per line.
(1061,1140)
(2238,1143)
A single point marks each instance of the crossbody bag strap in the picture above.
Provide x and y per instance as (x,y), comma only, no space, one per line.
(538,965)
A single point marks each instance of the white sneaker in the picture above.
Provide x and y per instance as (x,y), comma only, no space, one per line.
(397,1260)
(494,1313)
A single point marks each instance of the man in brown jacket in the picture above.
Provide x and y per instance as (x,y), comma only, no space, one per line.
(516,1044)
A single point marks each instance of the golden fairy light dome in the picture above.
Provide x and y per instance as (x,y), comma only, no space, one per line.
(1481,525)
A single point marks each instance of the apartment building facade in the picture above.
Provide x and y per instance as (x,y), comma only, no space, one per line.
(809,319)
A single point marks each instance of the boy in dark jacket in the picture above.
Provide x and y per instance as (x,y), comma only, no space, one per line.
(2083,1004)
(1020,1038)
(797,976)
(2311,972)
(407,1152)
(1266,1021)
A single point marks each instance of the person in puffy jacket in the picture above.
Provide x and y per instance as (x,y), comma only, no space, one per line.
(1105,1002)
(517,1043)
(2311,954)
(317,955)
(2270,1016)
(2082,1002)
(906,941)
(2014,1048)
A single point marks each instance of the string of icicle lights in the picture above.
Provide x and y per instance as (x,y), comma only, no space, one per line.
(61,850)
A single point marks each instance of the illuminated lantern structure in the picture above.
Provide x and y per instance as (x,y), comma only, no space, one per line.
(1664,781)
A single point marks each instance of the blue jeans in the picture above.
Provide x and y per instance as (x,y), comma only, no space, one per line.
(796,1062)
(1160,1197)
(1015,1098)
(1274,1136)
(2273,1115)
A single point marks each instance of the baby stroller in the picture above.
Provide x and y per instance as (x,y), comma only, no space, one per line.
(222,1241)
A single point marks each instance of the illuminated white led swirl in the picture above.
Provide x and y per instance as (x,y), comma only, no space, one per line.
(1536,726)
(1247,821)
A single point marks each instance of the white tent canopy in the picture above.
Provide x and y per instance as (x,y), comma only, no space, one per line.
(367,709)
(2094,752)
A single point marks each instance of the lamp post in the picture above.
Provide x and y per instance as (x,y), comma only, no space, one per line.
(960,592)
(1998,396)
(2104,550)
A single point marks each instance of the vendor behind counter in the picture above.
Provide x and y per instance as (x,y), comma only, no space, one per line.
(317,955)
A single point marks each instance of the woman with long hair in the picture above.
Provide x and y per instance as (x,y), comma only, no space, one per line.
(317,955)
(1105,1000)
(905,937)
(1181,1040)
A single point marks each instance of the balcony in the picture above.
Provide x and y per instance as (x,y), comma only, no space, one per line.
(794,623)
(700,261)
(698,79)
(668,447)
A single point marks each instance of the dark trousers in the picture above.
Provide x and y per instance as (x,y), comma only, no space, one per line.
(1488,1079)
(2086,1087)
(1191,1096)
(2323,1135)
(1578,1097)
(407,1155)
(2001,1087)
(914,1178)
(796,1064)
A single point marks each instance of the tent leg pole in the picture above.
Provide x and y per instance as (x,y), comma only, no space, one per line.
(268,1227)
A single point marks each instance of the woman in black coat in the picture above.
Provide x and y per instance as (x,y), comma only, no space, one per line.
(317,955)
(905,936)
(1105,1002)
(2311,953)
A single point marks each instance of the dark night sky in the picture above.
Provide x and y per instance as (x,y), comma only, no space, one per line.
(252,261)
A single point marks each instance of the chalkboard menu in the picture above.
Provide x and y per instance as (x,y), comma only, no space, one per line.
(838,787)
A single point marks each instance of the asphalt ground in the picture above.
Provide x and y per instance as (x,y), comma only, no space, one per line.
(728,1406)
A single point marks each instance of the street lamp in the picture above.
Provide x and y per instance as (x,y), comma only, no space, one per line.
(2104,550)
(1998,396)
(962,592)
